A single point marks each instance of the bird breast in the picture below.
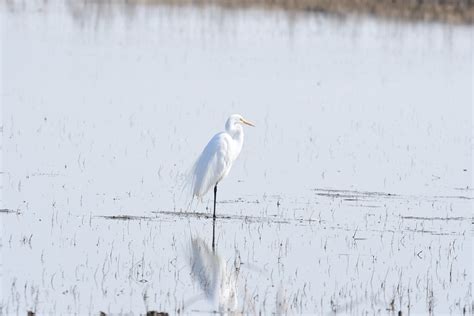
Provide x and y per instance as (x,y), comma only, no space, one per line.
(234,145)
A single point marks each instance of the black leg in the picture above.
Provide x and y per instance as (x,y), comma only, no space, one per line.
(215,196)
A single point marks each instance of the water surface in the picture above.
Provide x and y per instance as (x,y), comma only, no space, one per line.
(353,193)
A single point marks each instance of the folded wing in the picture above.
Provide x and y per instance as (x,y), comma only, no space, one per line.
(212,164)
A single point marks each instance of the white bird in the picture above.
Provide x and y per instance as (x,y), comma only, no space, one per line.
(217,158)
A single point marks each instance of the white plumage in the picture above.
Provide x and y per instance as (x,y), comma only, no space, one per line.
(217,158)
(214,163)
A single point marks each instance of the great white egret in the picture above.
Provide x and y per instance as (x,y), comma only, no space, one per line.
(217,158)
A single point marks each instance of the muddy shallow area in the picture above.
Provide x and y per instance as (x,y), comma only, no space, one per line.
(324,254)
(353,194)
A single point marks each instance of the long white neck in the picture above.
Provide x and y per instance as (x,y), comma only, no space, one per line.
(237,133)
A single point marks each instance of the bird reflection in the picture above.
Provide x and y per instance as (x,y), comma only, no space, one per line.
(213,234)
(216,280)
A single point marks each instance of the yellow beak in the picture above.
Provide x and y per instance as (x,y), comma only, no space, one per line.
(247,122)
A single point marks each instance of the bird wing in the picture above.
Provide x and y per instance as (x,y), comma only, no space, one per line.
(212,164)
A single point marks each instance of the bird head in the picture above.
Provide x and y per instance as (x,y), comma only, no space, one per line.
(235,120)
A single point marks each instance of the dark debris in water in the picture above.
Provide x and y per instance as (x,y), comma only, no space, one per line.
(126,217)
(455,218)
(8,211)
(276,219)
(155,313)
(239,200)
(354,195)
(246,218)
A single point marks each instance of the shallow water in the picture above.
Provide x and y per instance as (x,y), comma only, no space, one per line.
(353,194)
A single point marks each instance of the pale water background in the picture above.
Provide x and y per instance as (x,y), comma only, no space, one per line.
(353,194)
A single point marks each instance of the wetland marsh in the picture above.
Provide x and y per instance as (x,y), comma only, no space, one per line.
(352,195)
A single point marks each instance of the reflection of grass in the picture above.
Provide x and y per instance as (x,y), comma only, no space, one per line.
(453,11)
